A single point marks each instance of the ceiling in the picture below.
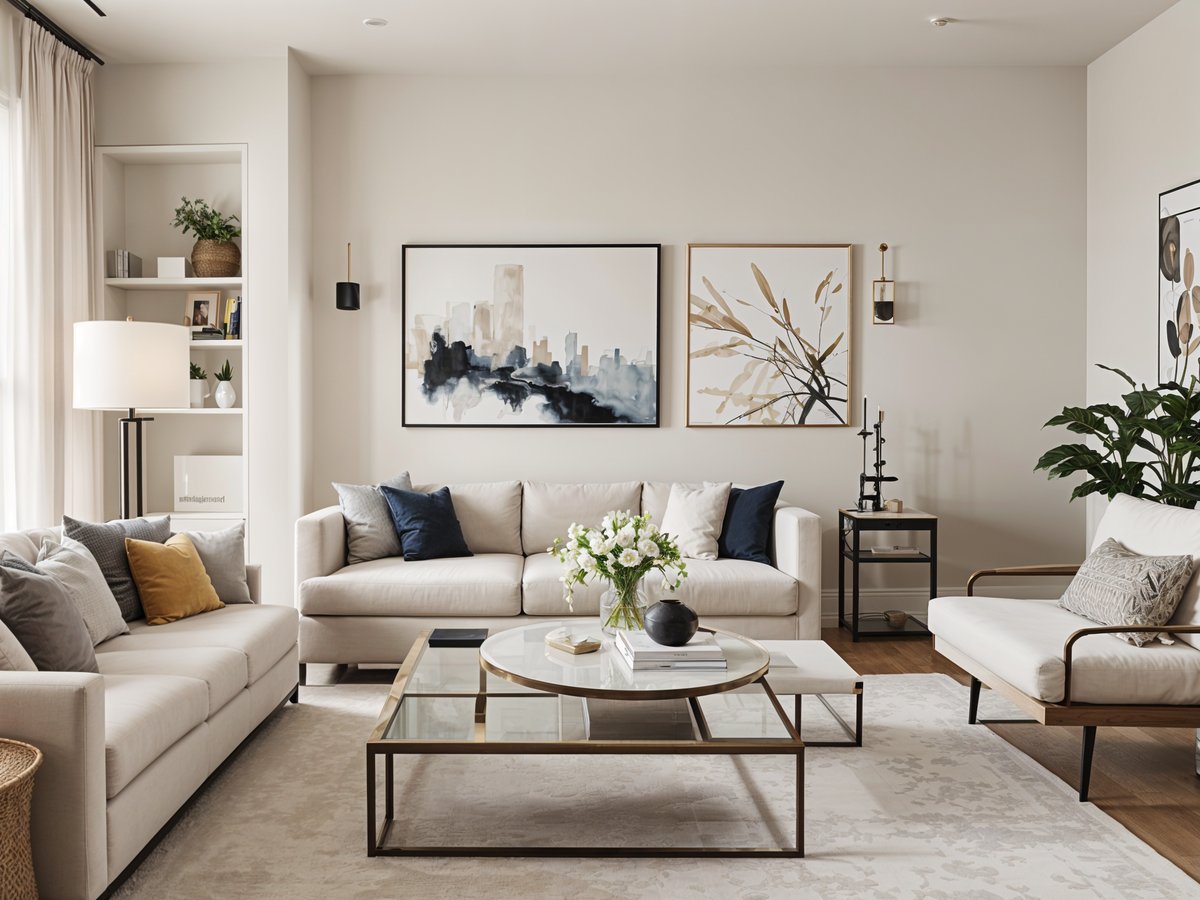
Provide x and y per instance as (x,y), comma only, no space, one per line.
(594,36)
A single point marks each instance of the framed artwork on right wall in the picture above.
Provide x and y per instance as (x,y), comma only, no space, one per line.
(769,335)
(1178,290)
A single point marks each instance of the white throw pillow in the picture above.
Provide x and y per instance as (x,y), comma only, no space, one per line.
(74,567)
(694,517)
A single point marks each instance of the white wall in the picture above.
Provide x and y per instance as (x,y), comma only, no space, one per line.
(1143,134)
(243,102)
(974,176)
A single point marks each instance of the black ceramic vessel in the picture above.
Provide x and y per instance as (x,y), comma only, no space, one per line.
(671,622)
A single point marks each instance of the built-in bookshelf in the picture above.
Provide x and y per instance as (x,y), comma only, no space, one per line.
(137,190)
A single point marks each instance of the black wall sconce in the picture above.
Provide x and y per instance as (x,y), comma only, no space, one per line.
(883,294)
(347,291)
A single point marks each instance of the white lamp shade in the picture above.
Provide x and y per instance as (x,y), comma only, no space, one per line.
(131,365)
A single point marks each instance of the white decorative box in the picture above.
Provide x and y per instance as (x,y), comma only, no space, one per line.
(208,484)
(174,267)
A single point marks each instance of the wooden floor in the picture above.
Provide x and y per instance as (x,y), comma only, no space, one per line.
(1145,778)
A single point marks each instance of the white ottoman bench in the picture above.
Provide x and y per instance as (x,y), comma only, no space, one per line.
(813,667)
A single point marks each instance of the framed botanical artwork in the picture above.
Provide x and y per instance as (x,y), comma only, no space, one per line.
(1178,287)
(203,309)
(769,328)
(530,334)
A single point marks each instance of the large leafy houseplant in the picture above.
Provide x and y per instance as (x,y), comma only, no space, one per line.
(1149,448)
(214,254)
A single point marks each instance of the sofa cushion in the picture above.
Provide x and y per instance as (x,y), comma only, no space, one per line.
(13,657)
(1153,529)
(488,584)
(26,544)
(106,541)
(264,634)
(144,715)
(655,495)
(369,531)
(548,510)
(427,524)
(1022,641)
(542,592)
(41,615)
(736,587)
(694,517)
(223,669)
(224,556)
(77,570)
(489,514)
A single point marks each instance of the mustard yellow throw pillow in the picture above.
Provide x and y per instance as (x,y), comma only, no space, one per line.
(171,579)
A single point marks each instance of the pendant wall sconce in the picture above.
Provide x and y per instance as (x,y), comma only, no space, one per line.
(883,293)
(347,291)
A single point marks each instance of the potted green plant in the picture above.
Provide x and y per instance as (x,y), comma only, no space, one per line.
(1149,447)
(225,395)
(198,385)
(214,254)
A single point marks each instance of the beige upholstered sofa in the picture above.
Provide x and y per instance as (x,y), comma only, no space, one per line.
(126,748)
(1063,669)
(371,612)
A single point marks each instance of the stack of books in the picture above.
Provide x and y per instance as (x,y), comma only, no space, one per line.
(122,264)
(641,653)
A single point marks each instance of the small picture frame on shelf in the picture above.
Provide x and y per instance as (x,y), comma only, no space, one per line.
(203,309)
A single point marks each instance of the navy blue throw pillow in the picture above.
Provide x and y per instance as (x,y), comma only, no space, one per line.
(746,532)
(425,523)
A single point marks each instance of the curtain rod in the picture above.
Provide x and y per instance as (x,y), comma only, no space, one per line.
(32,12)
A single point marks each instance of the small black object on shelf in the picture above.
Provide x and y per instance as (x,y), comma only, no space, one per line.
(873,500)
(457,637)
(671,622)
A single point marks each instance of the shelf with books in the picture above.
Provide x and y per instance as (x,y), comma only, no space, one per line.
(173,284)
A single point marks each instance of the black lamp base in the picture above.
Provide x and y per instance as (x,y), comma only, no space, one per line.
(347,295)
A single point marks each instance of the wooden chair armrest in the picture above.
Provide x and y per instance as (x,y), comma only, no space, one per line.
(1069,646)
(1069,569)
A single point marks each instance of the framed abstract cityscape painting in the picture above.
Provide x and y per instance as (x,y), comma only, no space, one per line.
(532,334)
(769,328)
(1178,286)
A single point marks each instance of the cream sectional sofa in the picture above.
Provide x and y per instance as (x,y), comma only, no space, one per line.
(126,748)
(372,611)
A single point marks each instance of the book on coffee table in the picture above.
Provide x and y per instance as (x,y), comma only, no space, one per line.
(641,652)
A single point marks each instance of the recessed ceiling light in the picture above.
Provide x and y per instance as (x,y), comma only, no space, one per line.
(940,21)
(375,22)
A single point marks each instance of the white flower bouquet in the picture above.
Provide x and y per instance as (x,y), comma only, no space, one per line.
(622,550)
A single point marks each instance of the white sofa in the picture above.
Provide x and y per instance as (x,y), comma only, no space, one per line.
(372,611)
(1064,669)
(126,748)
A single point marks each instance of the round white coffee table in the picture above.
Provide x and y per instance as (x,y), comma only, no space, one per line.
(520,655)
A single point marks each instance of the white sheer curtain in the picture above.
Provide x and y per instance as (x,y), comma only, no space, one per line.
(50,454)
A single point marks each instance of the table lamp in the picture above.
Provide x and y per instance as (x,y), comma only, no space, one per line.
(129,366)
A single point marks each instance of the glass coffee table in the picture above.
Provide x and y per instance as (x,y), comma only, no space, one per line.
(517,696)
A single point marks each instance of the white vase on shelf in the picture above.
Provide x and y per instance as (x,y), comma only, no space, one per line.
(199,392)
(225,395)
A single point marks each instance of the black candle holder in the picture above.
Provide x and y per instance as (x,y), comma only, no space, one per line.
(872,501)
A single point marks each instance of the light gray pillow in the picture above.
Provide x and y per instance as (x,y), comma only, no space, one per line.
(224,556)
(370,533)
(43,618)
(13,657)
(73,565)
(1116,586)
(107,544)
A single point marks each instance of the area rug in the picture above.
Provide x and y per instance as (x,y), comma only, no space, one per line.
(928,807)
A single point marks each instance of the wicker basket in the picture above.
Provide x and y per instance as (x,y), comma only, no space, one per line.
(216,259)
(18,762)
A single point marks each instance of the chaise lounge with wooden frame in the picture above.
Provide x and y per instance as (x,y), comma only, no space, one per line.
(1063,669)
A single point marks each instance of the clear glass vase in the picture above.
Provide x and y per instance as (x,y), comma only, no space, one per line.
(623,608)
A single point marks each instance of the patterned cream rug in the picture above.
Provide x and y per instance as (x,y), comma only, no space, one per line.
(929,807)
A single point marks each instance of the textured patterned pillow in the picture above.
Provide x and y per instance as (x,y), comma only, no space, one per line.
(77,570)
(107,544)
(1116,586)
(370,533)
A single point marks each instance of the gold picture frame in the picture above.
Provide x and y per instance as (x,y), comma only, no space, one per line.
(770,335)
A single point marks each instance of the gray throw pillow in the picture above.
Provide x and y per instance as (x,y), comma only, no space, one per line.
(43,618)
(13,657)
(370,533)
(77,570)
(1116,586)
(224,556)
(107,544)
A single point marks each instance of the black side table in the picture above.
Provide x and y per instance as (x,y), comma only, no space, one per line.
(851,525)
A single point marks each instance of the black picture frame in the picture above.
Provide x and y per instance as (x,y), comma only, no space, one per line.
(575,400)
(1181,201)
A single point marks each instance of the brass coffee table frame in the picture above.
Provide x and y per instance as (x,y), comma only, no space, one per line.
(378,833)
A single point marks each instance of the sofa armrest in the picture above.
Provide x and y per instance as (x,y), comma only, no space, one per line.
(320,544)
(1069,646)
(797,552)
(62,714)
(1067,569)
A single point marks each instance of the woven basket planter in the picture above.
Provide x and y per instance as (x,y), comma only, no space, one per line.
(18,762)
(216,259)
